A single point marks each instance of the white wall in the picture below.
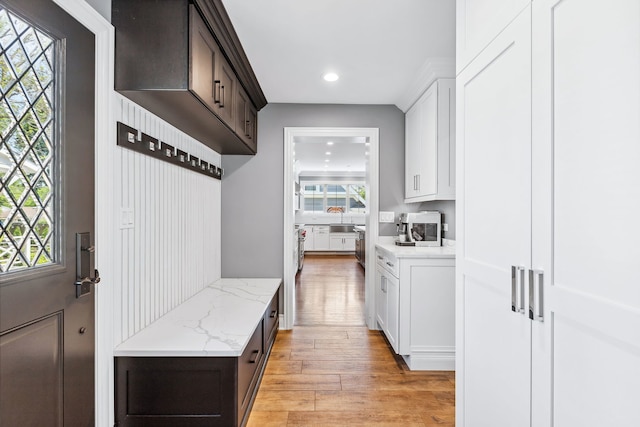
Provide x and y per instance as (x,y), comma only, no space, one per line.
(173,249)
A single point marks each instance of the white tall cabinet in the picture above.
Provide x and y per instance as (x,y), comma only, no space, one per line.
(548,199)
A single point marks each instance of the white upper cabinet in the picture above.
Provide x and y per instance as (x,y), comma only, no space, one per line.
(480,21)
(430,145)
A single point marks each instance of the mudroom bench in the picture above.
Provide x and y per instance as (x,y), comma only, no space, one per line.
(201,363)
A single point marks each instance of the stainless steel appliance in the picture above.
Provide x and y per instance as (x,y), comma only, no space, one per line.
(420,229)
(302,235)
(360,247)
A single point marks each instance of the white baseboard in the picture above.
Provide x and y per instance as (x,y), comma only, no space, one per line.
(431,359)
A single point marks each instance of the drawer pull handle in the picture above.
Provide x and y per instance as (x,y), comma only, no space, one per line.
(254,356)
(273,314)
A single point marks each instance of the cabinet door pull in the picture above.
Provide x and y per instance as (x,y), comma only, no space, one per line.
(536,286)
(273,314)
(254,356)
(418,182)
(221,96)
(517,289)
(216,91)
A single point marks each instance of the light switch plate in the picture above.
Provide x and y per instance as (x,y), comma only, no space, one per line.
(126,218)
(386,216)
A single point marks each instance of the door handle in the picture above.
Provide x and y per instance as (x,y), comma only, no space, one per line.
(85,265)
(517,289)
(536,286)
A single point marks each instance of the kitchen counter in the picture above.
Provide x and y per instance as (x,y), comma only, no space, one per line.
(416,251)
(360,228)
(218,321)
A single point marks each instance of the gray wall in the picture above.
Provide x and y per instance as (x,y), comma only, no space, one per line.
(252,186)
(103,7)
(448,209)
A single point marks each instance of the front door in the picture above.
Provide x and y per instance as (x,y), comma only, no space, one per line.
(46,198)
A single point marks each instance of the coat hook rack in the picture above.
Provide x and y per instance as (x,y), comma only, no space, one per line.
(150,146)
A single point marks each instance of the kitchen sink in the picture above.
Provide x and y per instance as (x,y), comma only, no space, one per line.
(340,228)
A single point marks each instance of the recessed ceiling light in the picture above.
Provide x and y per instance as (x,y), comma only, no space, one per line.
(326,160)
(328,153)
(329,142)
(331,77)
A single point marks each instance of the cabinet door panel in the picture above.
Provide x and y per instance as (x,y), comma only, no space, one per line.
(494,220)
(480,21)
(428,155)
(412,124)
(381,299)
(392,287)
(225,92)
(204,57)
(586,352)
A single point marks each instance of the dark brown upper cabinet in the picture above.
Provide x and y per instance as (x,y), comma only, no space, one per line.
(246,118)
(183,61)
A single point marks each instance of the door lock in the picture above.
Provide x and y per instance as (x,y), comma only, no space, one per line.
(84,265)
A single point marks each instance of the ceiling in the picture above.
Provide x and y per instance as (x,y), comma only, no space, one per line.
(347,154)
(379,48)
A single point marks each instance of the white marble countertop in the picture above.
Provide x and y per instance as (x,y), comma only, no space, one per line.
(217,321)
(448,251)
(360,227)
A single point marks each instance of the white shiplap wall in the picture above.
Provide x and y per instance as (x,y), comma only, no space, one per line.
(173,249)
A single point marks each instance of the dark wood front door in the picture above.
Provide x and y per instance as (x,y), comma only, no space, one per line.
(47,62)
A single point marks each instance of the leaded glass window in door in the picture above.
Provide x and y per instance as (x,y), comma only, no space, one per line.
(27,128)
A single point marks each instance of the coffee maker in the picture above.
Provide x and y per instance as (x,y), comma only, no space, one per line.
(420,229)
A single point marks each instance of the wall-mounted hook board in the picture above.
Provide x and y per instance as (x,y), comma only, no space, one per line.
(150,146)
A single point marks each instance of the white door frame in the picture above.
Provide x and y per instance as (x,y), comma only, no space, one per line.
(104,202)
(371,217)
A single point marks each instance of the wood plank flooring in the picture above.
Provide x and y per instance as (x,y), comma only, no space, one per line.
(328,373)
(330,291)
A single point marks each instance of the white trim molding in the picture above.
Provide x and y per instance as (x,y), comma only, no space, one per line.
(431,358)
(431,70)
(371,217)
(104,202)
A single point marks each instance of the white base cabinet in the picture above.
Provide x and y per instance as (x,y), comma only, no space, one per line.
(321,241)
(415,301)
(548,307)
(342,242)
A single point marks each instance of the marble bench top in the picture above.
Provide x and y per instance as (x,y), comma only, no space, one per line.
(216,322)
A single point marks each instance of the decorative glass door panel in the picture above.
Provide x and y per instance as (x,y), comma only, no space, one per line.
(27,127)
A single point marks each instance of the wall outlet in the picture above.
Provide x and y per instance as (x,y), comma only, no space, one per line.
(386,216)
(445,227)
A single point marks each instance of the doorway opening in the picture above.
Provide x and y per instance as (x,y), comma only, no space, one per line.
(341,201)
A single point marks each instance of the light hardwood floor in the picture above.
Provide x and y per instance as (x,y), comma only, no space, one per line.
(330,370)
